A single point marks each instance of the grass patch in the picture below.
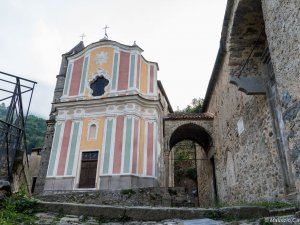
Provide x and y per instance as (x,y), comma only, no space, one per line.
(213,215)
(264,222)
(267,204)
(274,205)
(18,209)
(128,192)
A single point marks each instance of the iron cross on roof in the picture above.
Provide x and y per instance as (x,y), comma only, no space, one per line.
(82,36)
(105,28)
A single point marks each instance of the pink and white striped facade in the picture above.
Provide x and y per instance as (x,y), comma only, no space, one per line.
(123,126)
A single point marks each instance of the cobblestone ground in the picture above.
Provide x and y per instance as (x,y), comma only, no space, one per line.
(55,219)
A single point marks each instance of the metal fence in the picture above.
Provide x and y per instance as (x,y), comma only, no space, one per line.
(16,92)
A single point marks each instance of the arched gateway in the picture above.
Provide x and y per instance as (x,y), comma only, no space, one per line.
(199,129)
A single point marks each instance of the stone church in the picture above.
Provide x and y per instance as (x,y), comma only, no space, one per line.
(112,126)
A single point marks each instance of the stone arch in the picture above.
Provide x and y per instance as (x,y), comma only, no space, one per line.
(170,125)
(247,27)
(193,132)
(199,131)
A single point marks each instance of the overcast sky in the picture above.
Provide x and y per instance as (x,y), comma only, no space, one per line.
(182,36)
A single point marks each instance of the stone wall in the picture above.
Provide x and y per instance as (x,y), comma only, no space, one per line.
(21,177)
(282,27)
(45,155)
(247,167)
(126,197)
(254,173)
(116,182)
(206,191)
(256,137)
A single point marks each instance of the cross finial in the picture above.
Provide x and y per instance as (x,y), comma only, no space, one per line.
(82,36)
(105,28)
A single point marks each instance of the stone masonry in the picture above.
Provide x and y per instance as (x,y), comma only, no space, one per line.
(198,128)
(254,96)
(282,26)
(45,153)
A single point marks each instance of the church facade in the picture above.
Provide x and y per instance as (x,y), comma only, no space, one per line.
(106,116)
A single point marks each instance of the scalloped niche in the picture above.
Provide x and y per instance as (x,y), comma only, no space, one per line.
(98,83)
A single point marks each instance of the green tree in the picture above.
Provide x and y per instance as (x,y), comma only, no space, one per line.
(35,128)
(194,107)
(2,111)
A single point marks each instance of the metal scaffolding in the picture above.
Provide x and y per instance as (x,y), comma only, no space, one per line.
(12,125)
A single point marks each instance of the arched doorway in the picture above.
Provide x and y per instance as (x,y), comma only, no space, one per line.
(203,160)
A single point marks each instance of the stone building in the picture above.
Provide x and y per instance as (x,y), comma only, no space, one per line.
(249,131)
(105,127)
(254,96)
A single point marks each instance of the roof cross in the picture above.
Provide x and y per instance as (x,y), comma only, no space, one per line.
(82,36)
(105,28)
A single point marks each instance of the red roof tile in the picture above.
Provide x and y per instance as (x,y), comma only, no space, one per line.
(189,116)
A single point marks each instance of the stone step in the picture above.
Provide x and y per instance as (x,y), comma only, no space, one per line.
(166,197)
(153,213)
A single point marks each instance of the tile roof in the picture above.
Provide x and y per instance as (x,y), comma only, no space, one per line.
(189,116)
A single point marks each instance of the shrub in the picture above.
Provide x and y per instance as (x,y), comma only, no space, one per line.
(17,209)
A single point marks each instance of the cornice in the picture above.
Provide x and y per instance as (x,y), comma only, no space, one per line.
(106,43)
(114,100)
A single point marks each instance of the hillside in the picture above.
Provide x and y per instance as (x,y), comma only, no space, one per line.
(35,128)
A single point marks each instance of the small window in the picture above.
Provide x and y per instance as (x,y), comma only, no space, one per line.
(98,86)
(92,132)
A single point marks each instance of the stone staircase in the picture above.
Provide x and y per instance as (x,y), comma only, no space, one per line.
(163,205)
(167,197)
(140,214)
(144,213)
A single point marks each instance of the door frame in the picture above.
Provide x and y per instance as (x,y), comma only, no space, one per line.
(77,177)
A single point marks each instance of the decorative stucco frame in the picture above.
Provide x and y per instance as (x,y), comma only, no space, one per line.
(100,73)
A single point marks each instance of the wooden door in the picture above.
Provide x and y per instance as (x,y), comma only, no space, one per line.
(88,170)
